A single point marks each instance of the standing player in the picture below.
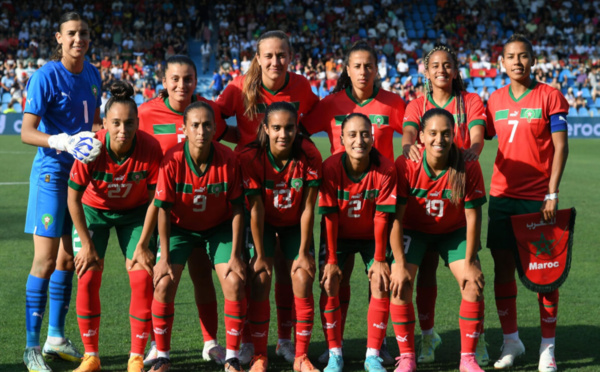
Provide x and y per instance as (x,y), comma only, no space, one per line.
(445,90)
(357,91)
(200,201)
(247,97)
(128,163)
(282,174)
(530,121)
(62,105)
(162,117)
(439,208)
(356,198)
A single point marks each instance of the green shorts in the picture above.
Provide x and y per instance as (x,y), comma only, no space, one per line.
(289,241)
(217,241)
(451,246)
(128,224)
(348,247)
(500,231)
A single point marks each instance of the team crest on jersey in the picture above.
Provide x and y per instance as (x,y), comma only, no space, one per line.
(297,183)
(531,114)
(136,177)
(95,90)
(379,120)
(371,194)
(47,220)
(217,188)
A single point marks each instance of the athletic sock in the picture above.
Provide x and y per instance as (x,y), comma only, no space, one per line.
(470,320)
(209,320)
(426,297)
(88,309)
(506,304)
(305,314)
(284,300)
(61,284)
(36,296)
(246,333)
(344,295)
(403,320)
(330,310)
(377,318)
(162,321)
(140,316)
(259,316)
(234,316)
(548,303)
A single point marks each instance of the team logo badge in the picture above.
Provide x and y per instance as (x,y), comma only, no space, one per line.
(47,220)
(370,194)
(529,114)
(297,184)
(95,90)
(47,178)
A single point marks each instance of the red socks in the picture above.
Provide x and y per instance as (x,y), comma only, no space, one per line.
(209,320)
(470,320)
(88,309)
(140,316)
(506,303)
(344,303)
(235,314)
(259,315)
(305,314)
(403,320)
(426,297)
(548,303)
(162,321)
(377,317)
(330,312)
(284,300)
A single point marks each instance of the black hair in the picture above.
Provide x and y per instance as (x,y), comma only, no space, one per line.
(519,38)
(178,59)
(374,154)
(70,16)
(121,92)
(198,105)
(344,80)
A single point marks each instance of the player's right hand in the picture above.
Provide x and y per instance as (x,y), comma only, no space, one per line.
(144,257)
(83,146)
(87,258)
(331,272)
(162,269)
(400,281)
(412,152)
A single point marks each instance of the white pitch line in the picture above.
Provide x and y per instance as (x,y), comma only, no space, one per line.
(17,152)
(13,183)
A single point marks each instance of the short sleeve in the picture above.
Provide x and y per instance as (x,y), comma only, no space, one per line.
(165,188)
(39,94)
(328,201)
(79,178)
(397,119)
(475,110)
(557,103)
(490,130)
(231,98)
(413,114)
(386,199)
(154,166)
(314,173)
(402,182)
(235,191)
(251,173)
(475,187)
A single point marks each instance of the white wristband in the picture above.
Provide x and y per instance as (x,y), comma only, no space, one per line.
(552,196)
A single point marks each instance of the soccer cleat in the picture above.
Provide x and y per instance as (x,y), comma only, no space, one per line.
(214,352)
(384,354)
(303,364)
(373,364)
(429,343)
(161,365)
(259,364)
(135,364)
(468,363)
(151,355)
(481,353)
(406,363)
(65,351)
(233,365)
(246,352)
(323,358)
(34,361)
(335,363)
(89,363)
(510,350)
(287,350)
(547,362)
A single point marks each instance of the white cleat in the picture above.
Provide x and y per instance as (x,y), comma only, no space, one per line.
(246,353)
(547,361)
(151,356)
(213,351)
(510,350)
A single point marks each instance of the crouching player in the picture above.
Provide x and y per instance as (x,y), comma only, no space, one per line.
(114,191)
(199,195)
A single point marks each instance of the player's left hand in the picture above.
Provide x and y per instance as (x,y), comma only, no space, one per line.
(144,257)
(548,209)
(381,270)
(470,155)
(472,274)
(237,266)
(162,269)
(400,280)
(306,262)
(87,258)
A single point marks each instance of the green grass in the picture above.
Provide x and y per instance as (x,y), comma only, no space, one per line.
(578,326)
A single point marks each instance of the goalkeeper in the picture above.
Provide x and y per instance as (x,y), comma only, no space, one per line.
(63,100)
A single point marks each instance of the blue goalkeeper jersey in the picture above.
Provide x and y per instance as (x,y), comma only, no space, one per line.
(67,103)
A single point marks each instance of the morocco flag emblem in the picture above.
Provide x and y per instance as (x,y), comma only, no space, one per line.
(543,255)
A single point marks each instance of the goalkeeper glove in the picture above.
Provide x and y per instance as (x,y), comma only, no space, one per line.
(83,146)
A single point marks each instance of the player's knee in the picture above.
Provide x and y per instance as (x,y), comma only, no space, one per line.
(164,289)
(331,287)
(261,285)
(235,288)
(470,292)
(43,267)
(302,278)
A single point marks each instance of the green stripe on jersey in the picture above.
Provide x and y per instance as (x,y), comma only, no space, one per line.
(185,188)
(501,115)
(422,193)
(343,195)
(339,119)
(530,113)
(102,176)
(165,128)
(269,184)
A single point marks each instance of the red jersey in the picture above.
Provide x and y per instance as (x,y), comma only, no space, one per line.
(427,197)
(385,109)
(158,118)
(199,201)
(282,189)
(295,90)
(525,149)
(475,115)
(118,185)
(357,201)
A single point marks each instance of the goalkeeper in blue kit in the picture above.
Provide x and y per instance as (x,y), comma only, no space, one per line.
(63,100)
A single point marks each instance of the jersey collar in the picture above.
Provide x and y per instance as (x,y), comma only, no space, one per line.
(510,93)
(166,101)
(188,159)
(430,99)
(349,94)
(355,180)
(274,92)
(274,164)
(428,171)
(113,156)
